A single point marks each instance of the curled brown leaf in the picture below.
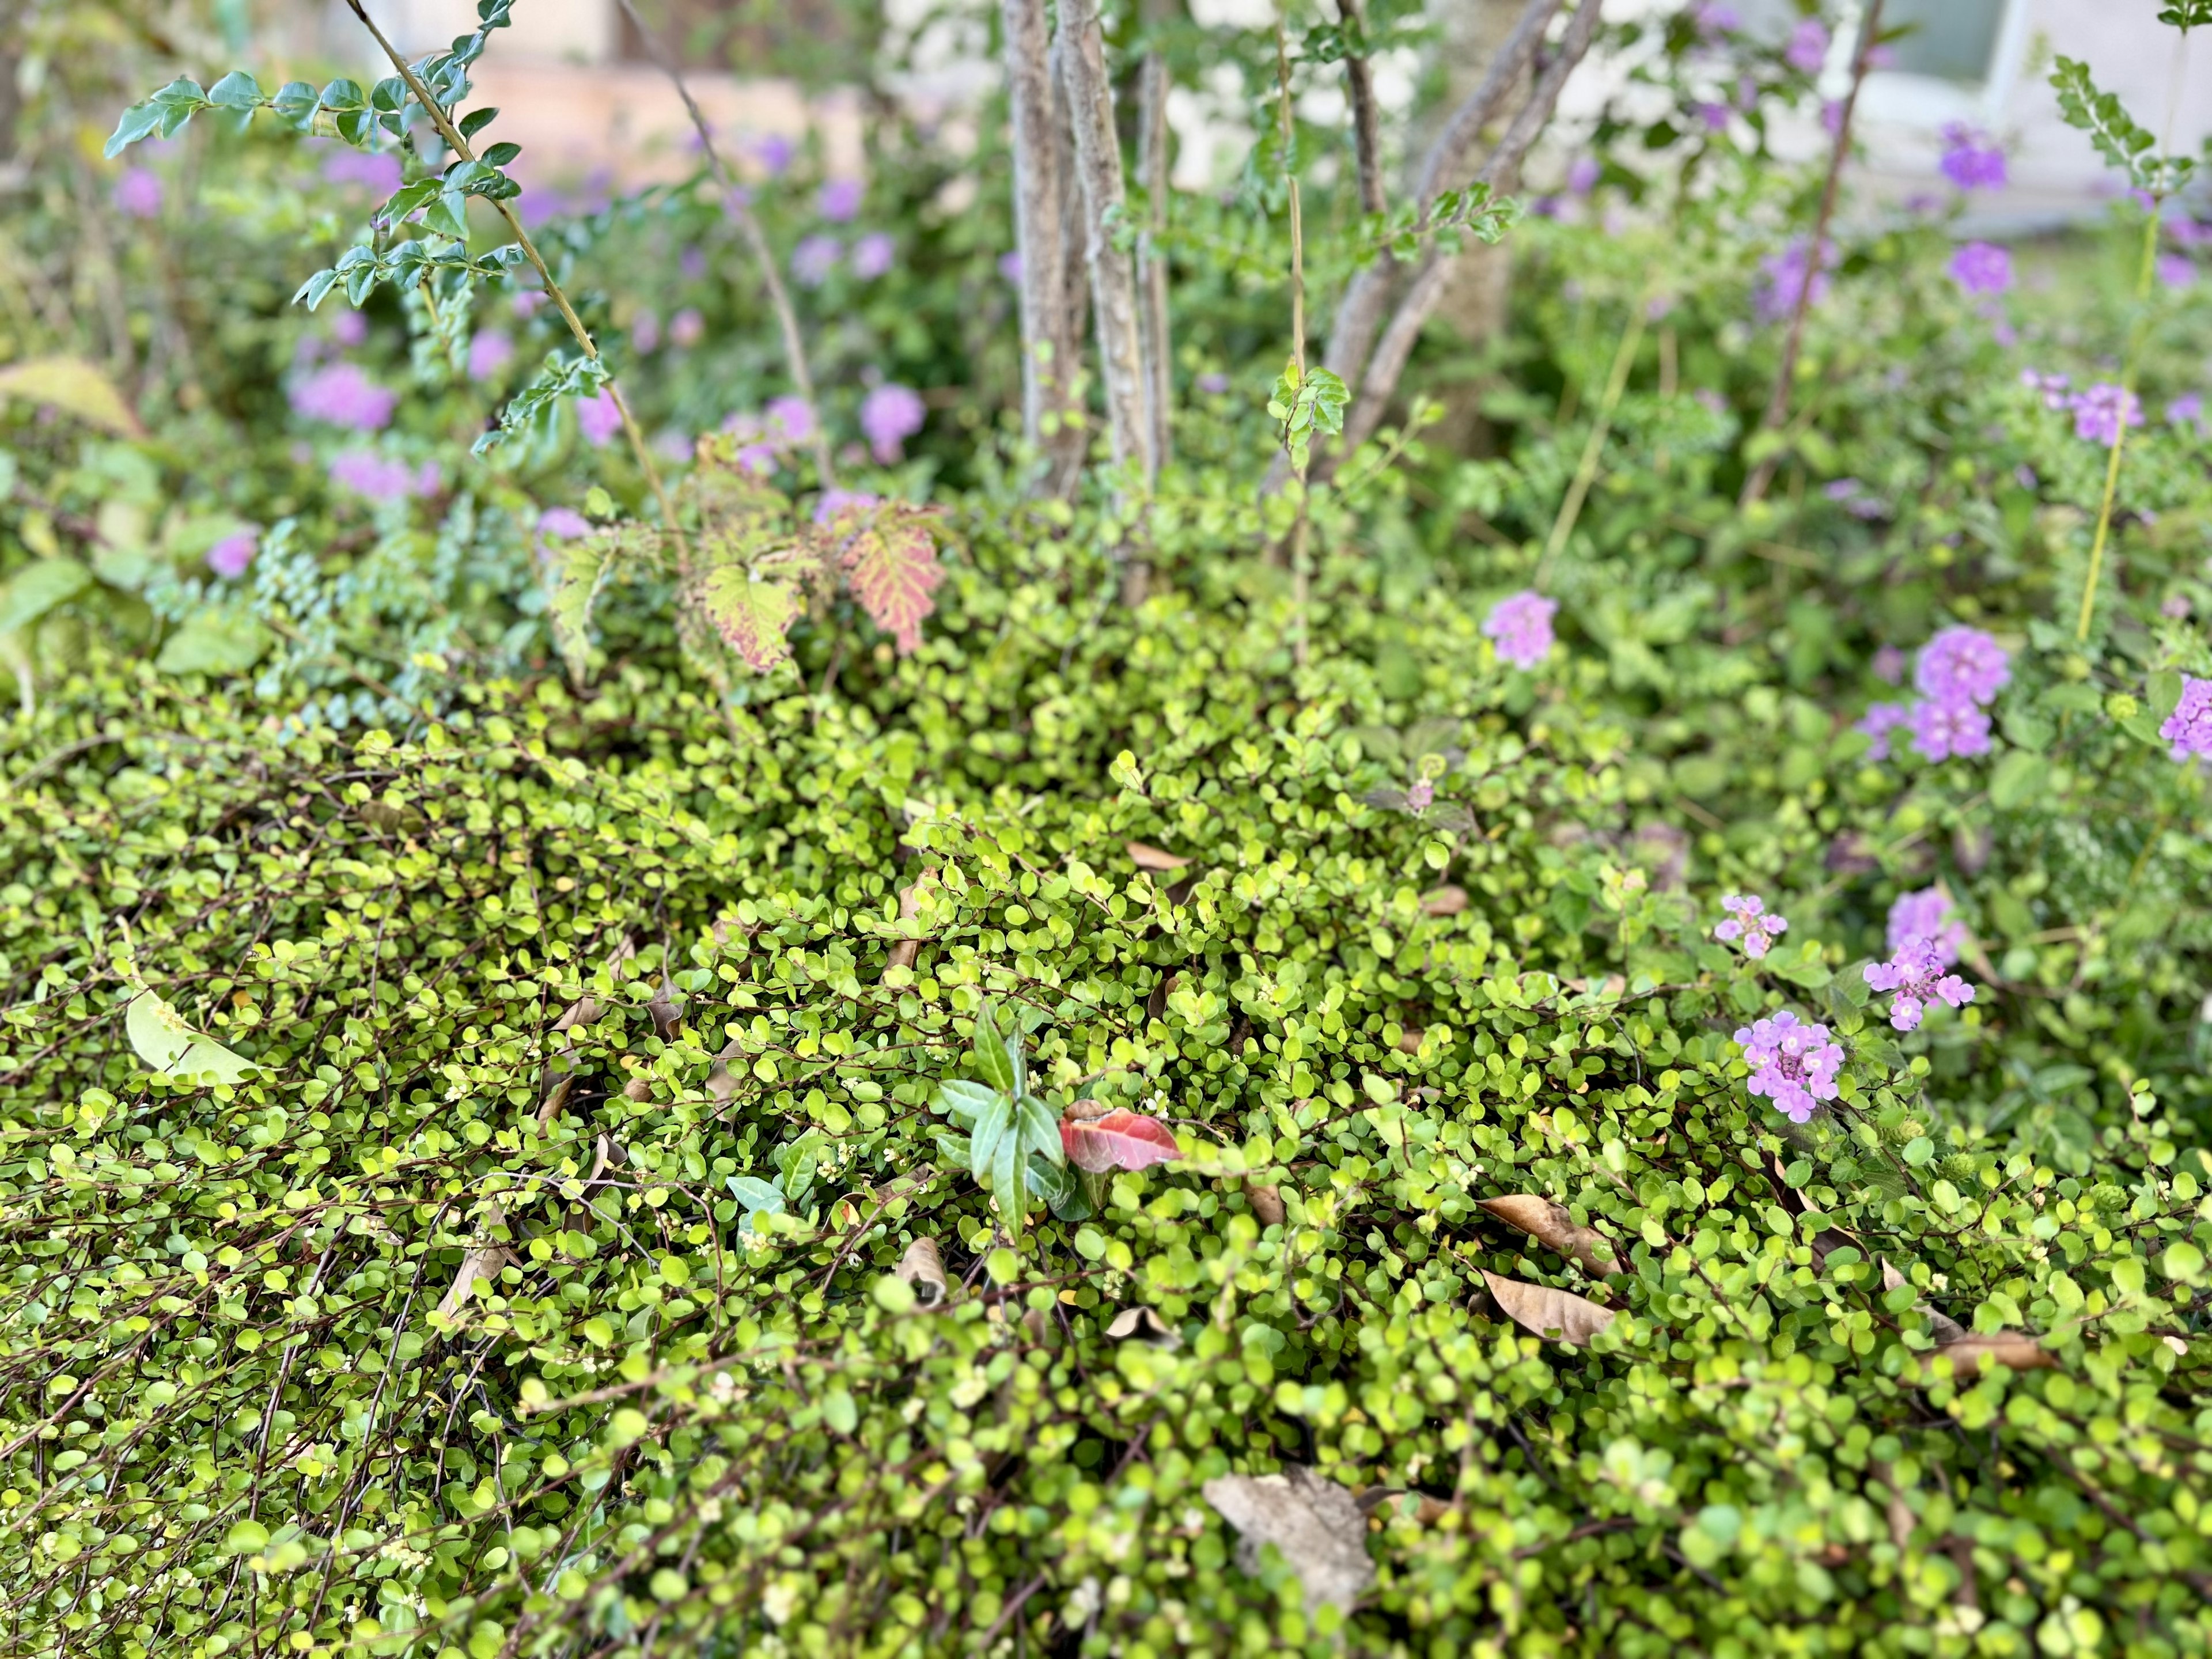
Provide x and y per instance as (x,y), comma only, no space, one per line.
(1446,901)
(1153,858)
(1559,1315)
(1550,1223)
(1267,1203)
(923,1269)
(1970,1356)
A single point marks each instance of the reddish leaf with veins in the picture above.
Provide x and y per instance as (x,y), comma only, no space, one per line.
(1122,1140)
(892,566)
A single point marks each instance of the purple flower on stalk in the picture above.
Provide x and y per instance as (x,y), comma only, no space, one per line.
(1793,1064)
(793,417)
(1749,920)
(686,328)
(873,255)
(814,259)
(692,262)
(1010,266)
(562,523)
(645,332)
(229,557)
(1520,624)
(1942,729)
(839,201)
(1582,175)
(775,153)
(1785,275)
(1715,116)
(1982,268)
(1889,665)
(348,328)
(2186,410)
(598,417)
(1970,161)
(1962,664)
(1420,795)
(1878,722)
(1915,975)
(490,351)
(1927,914)
(1808,47)
(138,193)
(2176,270)
(382,478)
(2188,727)
(889,416)
(2102,410)
(1709,19)
(344,395)
(2051,386)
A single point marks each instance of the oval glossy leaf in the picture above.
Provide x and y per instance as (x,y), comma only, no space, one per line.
(1122,1140)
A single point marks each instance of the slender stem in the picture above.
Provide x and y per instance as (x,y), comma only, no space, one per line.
(779,298)
(459,146)
(1366,123)
(1777,402)
(2120,425)
(1301,556)
(1623,361)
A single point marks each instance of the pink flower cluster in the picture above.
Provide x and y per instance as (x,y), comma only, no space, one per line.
(344,395)
(891,415)
(1521,623)
(1959,674)
(2188,727)
(1982,268)
(1749,920)
(598,417)
(1970,159)
(2102,410)
(1927,914)
(1916,977)
(1793,1064)
(383,478)
(766,438)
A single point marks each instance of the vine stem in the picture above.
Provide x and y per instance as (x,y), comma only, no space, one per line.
(1623,361)
(2119,427)
(1301,555)
(779,298)
(459,146)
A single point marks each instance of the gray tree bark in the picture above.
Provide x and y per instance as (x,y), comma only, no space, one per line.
(1151,261)
(1051,335)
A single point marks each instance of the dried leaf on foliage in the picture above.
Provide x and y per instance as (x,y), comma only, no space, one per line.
(904,950)
(1146,857)
(1941,1325)
(1559,1315)
(1316,1523)
(168,1046)
(923,1268)
(1267,1203)
(1970,1355)
(1446,901)
(480,1262)
(1122,1140)
(74,387)
(1551,1224)
(1141,1321)
(751,615)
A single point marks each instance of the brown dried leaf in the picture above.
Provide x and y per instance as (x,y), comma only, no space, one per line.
(479,1261)
(1550,1223)
(1446,901)
(1267,1203)
(923,1268)
(584,1010)
(1970,1356)
(1409,1041)
(1141,1321)
(904,950)
(1315,1523)
(1560,1315)
(1153,858)
(1941,1325)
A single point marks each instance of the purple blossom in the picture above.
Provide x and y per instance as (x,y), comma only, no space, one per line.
(1982,268)
(1832,117)
(1785,275)
(562,523)
(1915,975)
(839,200)
(814,259)
(2176,270)
(1749,920)
(344,395)
(791,416)
(382,478)
(873,255)
(1889,665)
(1808,47)
(889,416)
(379,170)
(692,262)
(2187,408)
(1853,496)
(1420,795)
(1793,1064)
(1521,623)
(2101,411)
(1879,719)
(686,328)
(1715,116)
(1943,728)
(645,332)
(1582,174)
(527,302)
(138,193)
(2188,727)
(1926,914)
(490,351)
(1010,266)
(2175,605)
(598,417)
(775,153)
(1213,383)
(229,557)
(1962,664)
(1970,159)
(2052,387)
(2024,476)
(836,502)
(1709,19)
(348,328)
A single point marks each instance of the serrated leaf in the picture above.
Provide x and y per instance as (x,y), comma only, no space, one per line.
(162,1040)
(584,565)
(1122,1140)
(751,616)
(890,564)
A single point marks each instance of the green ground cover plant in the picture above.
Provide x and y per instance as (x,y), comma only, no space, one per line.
(1569,1020)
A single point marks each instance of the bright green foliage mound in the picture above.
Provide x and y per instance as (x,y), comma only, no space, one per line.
(248,1412)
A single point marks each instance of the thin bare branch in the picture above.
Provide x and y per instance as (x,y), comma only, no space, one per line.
(1366,121)
(1151,262)
(1051,340)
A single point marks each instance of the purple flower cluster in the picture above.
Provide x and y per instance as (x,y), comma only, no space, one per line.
(840,200)
(382,478)
(686,328)
(1958,674)
(873,255)
(889,416)
(765,439)
(598,417)
(379,170)
(1808,47)
(1521,623)
(1853,497)
(1916,977)
(815,259)
(1793,1064)
(1749,920)
(2176,270)
(2102,410)
(490,351)
(1982,268)
(344,395)
(229,557)
(2052,387)
(1970,159)
(1926,914)
(1783,275)
(2187,410)
(2188,727)
(138,193)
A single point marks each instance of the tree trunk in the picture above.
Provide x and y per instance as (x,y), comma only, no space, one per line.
(1151,260)
(1113,272)
(1051,340)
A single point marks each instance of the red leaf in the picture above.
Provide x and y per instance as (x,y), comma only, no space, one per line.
(891,565)
(1120,1140)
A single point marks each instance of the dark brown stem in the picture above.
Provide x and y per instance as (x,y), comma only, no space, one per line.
(1366,123)
(779,298)
(1051,339)
(1777,402)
